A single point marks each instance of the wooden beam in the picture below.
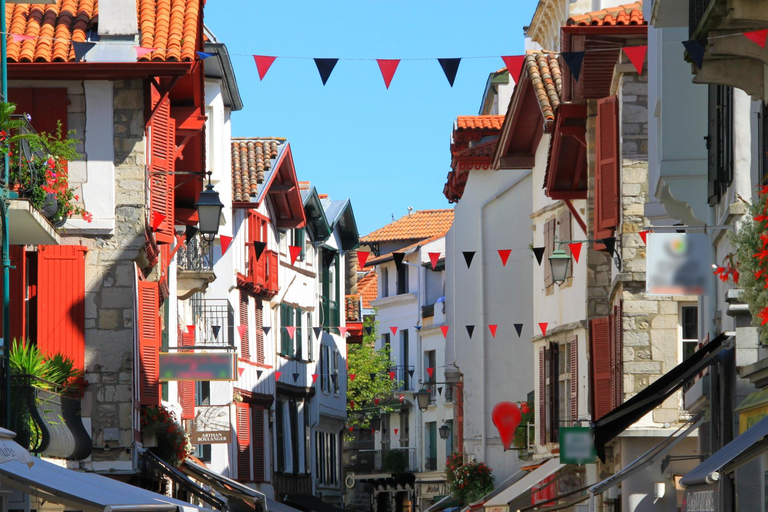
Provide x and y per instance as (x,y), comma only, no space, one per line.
(278,188)
(576,215)
(519,161)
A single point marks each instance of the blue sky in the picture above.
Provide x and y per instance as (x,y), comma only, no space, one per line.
(384,149)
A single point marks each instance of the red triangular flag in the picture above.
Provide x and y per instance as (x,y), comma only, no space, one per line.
(757,36)
(240,372)
(514,64)
(352,377)
(343,332)
(504,254)
(431,372)
(391,375)
(434,257)
(262,64)
(396,431)
(362,257)
(141,51)
(644,236)
(277,375)
(402,397)
(636,55)
(575,248)
(295,253)
(291,331)
(191,330)
(393,330)
(388,68)
(22,37)
(351,429)
(543,327)
(225,241)
(493,328)
(157,219)
(242,329)
(444,328)
(351,404)
(375,401)
(314,378)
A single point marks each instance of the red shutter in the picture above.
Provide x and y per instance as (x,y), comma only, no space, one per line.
(574,354)
(18,289)
(258,443)
(245,346)
(61,301)
(600,334)
(243,442)
(607,172)
(542,397)
(552,356)
(46,105)
(149,342)
(618,373)
(187,387)
(259,333)
(161,136)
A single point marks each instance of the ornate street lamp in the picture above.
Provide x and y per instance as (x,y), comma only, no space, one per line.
(444,431)
(422,398)
(376,423)
(558,262)
(209,208)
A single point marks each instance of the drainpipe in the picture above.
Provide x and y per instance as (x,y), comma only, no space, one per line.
(421,279)
(6,260)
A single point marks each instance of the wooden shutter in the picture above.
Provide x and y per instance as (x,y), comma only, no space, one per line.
(607,192)
(187,387)
(563,234)
(257,439)
(617,348)
(61,301)
(258,331)
(245,345)
(161,137)
(573,347)
(600,335)
(554,392)
(299,342)
(150,335)
(549,242)
(542,397)
(46,105)
(18,290)
(243,441)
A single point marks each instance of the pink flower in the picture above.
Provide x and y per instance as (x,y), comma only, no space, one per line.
(88,217)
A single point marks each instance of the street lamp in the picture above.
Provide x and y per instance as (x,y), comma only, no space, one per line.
(558,263)
(376,423)
(209,208)
(445,431)
(422,398)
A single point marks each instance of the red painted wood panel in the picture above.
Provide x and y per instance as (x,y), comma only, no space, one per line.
(602,395)
(187,387)
(243,442)
(607,169)
(258,443)
(18,289)
(161,134)
(61,301)
(150,338)
(47,106)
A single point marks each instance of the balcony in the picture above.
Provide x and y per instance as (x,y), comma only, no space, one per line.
(194,264)
(433,315)
(214,320)
(48,422)
(394,461)
(404,377)
(261,278)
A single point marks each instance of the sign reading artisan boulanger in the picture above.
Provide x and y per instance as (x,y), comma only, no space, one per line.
(211,425)
(700,498)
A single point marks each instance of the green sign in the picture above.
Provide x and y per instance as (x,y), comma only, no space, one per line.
(577,445)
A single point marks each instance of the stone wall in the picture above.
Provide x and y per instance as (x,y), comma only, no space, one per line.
(109,275)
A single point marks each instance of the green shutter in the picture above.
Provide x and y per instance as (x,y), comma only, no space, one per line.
(298,335)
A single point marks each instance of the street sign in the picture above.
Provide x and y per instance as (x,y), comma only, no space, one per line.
(577,445)
(211,425)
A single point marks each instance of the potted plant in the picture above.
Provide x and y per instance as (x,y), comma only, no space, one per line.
(163,436)
(521,440)
(467,482)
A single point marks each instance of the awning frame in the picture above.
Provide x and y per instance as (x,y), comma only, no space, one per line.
(550,467)
(223,484)
(182,479)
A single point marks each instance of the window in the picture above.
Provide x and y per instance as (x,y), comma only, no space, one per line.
(326,458)
(607,170)
(449,440)
(384,282)
(329,297)
(719,142)
(549,248)
(307,438)
(558,388)
(203,397)
(293,425)
(402,278)
(430,448)
(606,362)
(430,360)
(298,337)
(405,358)
(335,371)
(404,430)
(563,386)
(299,240)
(689,329)
(325,370)
(288,319)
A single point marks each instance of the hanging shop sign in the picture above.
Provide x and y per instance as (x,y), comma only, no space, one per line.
(678,264)
(577,445)
(198,366)
(701,498)
(211,425)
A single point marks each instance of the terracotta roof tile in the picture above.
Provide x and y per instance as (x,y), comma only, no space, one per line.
(627,14)
(416,226)
(378,260)
(171,25)
(252,158)
(368,288)
(545,74)
(479,122)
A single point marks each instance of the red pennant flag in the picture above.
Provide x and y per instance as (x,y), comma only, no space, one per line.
(141,51)
(22,37)
(352,377)
(644,236)
(636,55)
(434,257)
(575,248)
(191,330)
(277,375)
(240,372)
(388,68)
(343,332)
(543,327)
(262,64)
(396,431)
(493,328)
(444,328)
(402,397)
(431,372)
(375,401)
(157,219)
(393,330)
(757,36)
(314,377)
(242,329)
(362,257)
(514,64)
(225,242)
(295,253)
(391,375)
(291,331)
(504,254)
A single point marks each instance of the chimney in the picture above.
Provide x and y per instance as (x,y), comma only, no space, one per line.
(118,18)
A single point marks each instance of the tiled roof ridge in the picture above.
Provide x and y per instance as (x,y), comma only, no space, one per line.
(251,161)
(282,139)
(626,14)
(418,225)
(546,76)
(481,122)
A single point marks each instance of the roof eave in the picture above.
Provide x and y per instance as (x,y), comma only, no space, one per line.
(228,77)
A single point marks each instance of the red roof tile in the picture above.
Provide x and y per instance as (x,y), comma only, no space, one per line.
(547,80)
(627,14)
(170,25)
(251,161)
(406,250)
(368,288)
(416,226)
(479,122)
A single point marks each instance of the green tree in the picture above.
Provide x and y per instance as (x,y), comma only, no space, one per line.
(371,382)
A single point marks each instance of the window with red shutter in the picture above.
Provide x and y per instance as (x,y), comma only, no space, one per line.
(600,336)
(47,106)
(187,387)
(616,340)
(607,192)
(257,439)
(245,346)
(553,357)
(161,135)
(259,333)
(150,335)
(18,288)
(573,347)
(542,397)
(243,442)
(61,301)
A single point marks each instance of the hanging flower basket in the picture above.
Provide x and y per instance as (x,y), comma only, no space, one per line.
(163,436)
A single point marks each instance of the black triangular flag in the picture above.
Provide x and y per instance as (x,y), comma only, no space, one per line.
(470,330)
(333,378)
(372,376)
(410,372)
(519,329)
(325,67)
(259,247)
(610,244)
(81,49)
(574,60)
(258,373)
(265,330)
(398,257)
(296,377)
(450,67)
(317,330)
(190,233)
(216,329)
(696,48)
(368,329)
(440,390)
(468,255)
(539,252)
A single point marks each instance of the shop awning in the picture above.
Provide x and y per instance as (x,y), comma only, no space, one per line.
(650,456)
(547,469)
(443,504)
(503,486)
(617,421)
(741,450)
(310,503)
(559,502)
(86,491)
(224,485)
(182,480)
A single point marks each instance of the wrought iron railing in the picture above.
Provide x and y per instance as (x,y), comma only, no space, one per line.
(395,460)
(214,321)
(27,160)
(196,255)
(404,377)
